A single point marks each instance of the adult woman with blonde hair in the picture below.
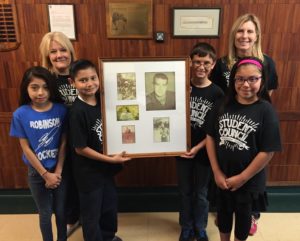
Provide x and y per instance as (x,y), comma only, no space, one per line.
(57,54)
(244,41)
(57,45)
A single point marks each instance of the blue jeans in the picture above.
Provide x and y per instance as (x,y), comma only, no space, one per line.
(98,209)
(193,180)
(49,201)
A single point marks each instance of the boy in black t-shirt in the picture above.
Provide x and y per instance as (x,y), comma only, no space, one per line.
(193,167)
(93,171)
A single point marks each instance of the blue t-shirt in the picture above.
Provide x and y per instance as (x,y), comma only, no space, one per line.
(42,130)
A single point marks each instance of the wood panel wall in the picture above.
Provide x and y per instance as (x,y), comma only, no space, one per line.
(281,34)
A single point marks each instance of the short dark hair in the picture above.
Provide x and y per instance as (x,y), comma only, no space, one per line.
(41,73)
(80,64)
(203,49)
(160,76)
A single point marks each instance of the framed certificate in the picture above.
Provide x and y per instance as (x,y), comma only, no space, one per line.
(196,22)
(61,19)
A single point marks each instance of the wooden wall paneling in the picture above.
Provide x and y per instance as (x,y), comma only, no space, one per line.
(280,38)
(2,179)
(162,171)
(295,27)
(292,154)
(282,99)
(280,158)
(82,19)
(12,169)
(158,20)
(277,174)
(291,74)
(293,173)
(133,174)
(294,46)
(149,172)
(4,104)
(10,81)
(289,131)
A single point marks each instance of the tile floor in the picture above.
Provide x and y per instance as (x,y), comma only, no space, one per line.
(155,227)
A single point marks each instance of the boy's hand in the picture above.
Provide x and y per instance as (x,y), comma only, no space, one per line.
(190,154)
(120,158)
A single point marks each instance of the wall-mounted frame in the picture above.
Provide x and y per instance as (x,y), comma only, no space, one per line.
(62,19)
(129,19)
(133,120)
(196,22)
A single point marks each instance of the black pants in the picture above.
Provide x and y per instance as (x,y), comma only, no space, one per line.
(242,211)
(72,207)
(99,212)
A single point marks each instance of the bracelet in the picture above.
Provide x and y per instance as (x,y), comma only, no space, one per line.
(44,173)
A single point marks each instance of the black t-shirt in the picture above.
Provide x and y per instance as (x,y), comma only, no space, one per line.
(240,133)
(220,73)
(201,103)
(67,92)
(86,131)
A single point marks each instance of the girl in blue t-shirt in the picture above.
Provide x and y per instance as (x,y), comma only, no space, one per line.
(243,135)
(39,125)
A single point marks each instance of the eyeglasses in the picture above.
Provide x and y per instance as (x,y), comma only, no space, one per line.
(251,80)
(198,63)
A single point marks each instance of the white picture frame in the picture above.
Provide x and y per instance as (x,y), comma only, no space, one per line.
(157,132)
(62,19)
(196,22)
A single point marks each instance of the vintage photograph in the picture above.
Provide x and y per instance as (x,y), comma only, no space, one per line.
(129,19)
(161,129)
(127,112)
(126,86)
(128,134)
(160,91)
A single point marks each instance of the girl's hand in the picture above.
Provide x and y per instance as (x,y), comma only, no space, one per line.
(220,180)
(120,158)
(235,182)
(52,180)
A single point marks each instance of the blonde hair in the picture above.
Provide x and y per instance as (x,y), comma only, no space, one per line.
(256,50)
(60,38)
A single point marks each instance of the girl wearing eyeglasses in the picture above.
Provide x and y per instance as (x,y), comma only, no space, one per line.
(245,39)
(242,138)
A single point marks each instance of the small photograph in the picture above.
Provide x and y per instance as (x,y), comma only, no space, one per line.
(160,91)
(161,129)
(127,112)
(119,22)
(126,86)
(128,134)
